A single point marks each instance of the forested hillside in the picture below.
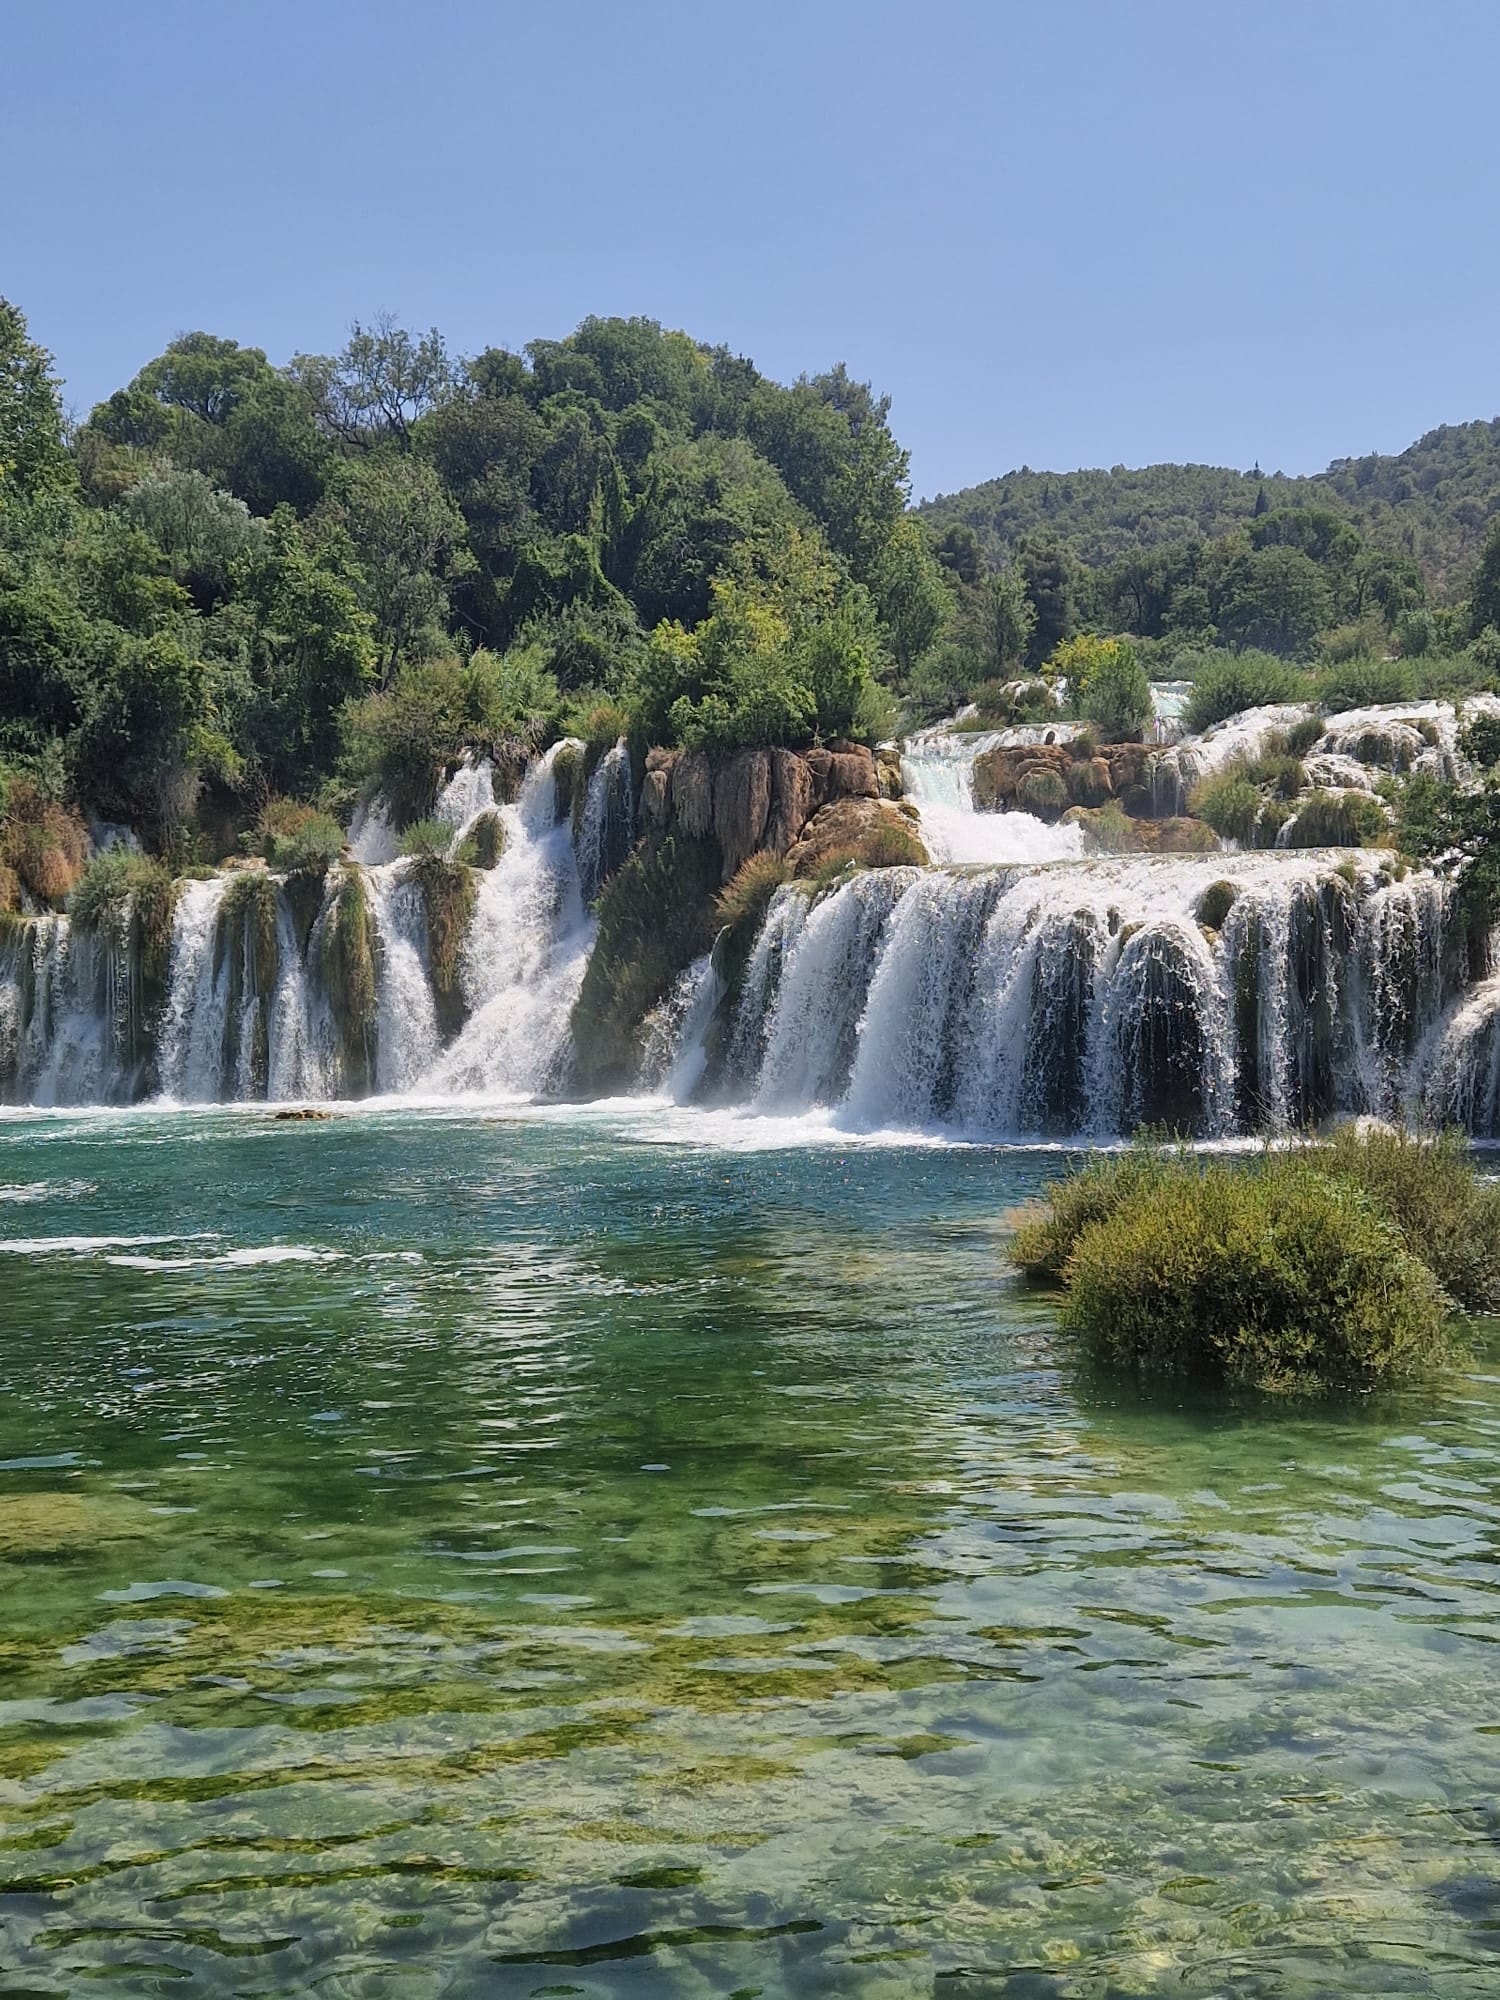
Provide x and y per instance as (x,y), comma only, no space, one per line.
(241,596)
(1432,502)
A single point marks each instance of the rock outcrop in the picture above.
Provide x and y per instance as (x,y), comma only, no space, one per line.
(757,799)
(863,830)
(1047,778)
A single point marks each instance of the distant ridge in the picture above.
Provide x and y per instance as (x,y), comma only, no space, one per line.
(1432,501)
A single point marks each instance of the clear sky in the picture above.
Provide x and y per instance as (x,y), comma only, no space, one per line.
(1057,232)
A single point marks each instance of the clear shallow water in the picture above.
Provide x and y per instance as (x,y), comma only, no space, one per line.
(590,1567)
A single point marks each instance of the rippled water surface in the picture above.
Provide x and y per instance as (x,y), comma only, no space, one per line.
(502,1556)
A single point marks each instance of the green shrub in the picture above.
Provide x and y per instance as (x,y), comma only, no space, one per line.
(1108,828)
(1364,683)
(1225,684)
(1480,741)
(1275,1277)
(1302,735)
(401,740)
(1047,1231)
(1340,819)
(742,902)
(112,880)
(1278,773)
(1429,1188)
(1044,793)
(429,839)
(1214,905)
(486,840)
(1116,694)
(297,839)
(1336,1264)
(1230,804)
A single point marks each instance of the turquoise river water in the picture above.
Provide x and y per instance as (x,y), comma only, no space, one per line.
(543,1554)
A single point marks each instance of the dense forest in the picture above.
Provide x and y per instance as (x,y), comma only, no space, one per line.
(1432,502)
(239,596)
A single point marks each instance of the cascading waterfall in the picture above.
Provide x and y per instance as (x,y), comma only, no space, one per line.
(937,769)
(1015,989)
(526,953)
(1096,997)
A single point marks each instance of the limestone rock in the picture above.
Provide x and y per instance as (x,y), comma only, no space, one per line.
(791,799)
(742,806)
(693,794)
(864,830)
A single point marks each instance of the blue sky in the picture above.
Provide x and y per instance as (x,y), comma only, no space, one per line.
(1057,232)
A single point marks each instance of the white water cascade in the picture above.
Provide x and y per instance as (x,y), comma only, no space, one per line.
(1018,988)
(937,769)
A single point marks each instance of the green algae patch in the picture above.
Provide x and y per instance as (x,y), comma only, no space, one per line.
(59,1523)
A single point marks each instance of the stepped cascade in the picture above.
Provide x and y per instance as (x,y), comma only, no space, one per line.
(1017,986)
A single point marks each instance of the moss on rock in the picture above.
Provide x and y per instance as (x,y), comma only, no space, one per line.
(656,914)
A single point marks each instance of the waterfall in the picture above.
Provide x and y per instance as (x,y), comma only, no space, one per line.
(526,954)
(468,794)
(1097,997)
(608,823)
(1016,989)
(674,1052)
(407,1042)
(937,770)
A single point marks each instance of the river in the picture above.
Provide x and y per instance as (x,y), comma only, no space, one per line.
(627,1552)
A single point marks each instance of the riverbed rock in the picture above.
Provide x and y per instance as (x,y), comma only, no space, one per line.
(863,830)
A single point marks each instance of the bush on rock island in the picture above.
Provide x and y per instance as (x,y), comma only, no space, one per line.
(1303,1270)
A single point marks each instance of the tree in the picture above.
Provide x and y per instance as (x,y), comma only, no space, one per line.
(1107,684)
(911,593)
(199,529)
(33,454)
(1484,591)
(409,540)
(1274,597)
(379,387)
(1050,574)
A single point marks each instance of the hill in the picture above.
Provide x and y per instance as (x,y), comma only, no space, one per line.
(1433,502)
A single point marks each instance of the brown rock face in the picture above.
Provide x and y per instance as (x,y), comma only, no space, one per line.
(851,774)
(1090,774)
(693,794)
(656,797)
(857,829)
(791,799)
(888,771)
(742,806)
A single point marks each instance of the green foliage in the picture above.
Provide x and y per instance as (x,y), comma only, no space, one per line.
(428,839)
(1429,1188)
(33,456)
(297,839)
(1230,802)
(401,740)
(1107,685)
(1480,740)
(111,881)
(1339,819)
(1456,829)
(1364,683)
(1279,1275)
(1432,501)
(655,916)
(1226,684)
